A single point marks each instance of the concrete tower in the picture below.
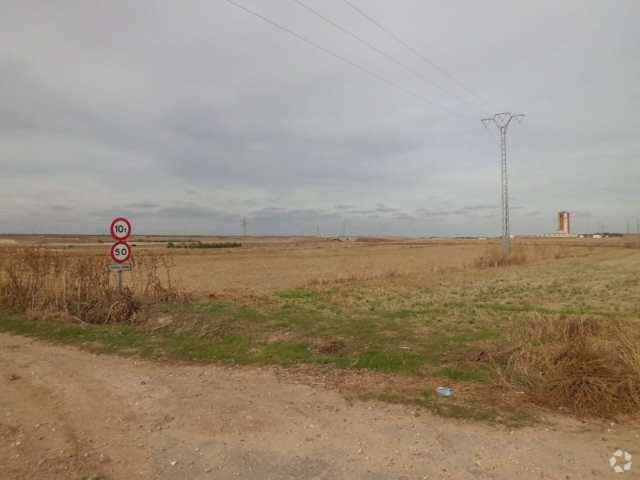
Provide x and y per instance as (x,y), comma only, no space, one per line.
(564,224)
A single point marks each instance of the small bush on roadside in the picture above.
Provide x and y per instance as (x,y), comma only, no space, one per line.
(589,366)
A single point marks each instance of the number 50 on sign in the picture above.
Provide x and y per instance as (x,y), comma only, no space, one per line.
(120,252)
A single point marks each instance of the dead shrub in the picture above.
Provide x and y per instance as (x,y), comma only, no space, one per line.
(152,278)
(47,281)
(589,366)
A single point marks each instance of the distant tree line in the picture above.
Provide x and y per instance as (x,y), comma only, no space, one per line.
(200,244)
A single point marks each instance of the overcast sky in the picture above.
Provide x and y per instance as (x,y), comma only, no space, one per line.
(188,116)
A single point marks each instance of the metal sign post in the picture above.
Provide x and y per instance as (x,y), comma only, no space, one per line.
(120,250)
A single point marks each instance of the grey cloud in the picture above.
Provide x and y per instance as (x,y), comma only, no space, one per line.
(197,212)
(381,208)
(467,211)
(198,115)
(404,216)
(142,205)
(534,213)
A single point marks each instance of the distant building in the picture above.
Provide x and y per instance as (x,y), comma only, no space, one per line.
(564,226)
(564,223)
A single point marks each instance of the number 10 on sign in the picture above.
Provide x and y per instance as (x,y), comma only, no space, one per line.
(120,251)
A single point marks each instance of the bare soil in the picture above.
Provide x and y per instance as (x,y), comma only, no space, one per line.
(69,414)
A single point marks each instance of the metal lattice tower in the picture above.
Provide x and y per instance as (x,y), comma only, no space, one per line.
(244,226)
(502,121)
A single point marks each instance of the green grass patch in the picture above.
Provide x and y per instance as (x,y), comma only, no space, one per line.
(390,362)
(240,313)
(298,294)
(285,353)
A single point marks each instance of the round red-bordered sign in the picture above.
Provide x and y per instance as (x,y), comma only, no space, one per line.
(120,228)
(120,252)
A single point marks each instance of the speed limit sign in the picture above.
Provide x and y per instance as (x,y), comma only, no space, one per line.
(120,228)
(120,252)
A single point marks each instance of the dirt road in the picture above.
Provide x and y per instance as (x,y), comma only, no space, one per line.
(69,414)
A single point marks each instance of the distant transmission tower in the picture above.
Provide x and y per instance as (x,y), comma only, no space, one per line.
(244,226)
(502,121)
(317,230)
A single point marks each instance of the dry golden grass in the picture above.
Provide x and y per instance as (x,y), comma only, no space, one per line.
(530,253)
(271,267)
(43,280)
(265,265)
(587,365)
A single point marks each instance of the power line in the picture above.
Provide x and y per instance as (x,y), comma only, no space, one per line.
(337,55)
(379,51)
(412,49)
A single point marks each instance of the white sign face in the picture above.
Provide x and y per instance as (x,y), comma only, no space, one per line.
(120,252)
(120,229)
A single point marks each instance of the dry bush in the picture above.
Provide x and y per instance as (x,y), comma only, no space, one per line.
(152,278)
(589,366)
(44,280)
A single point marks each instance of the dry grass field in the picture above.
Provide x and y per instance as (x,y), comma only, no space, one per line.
(270,268)
(267,265)
(555,327)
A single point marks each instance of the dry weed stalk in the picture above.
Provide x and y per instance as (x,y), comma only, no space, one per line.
(44,280)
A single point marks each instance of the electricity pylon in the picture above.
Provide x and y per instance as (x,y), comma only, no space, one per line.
(502,121)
